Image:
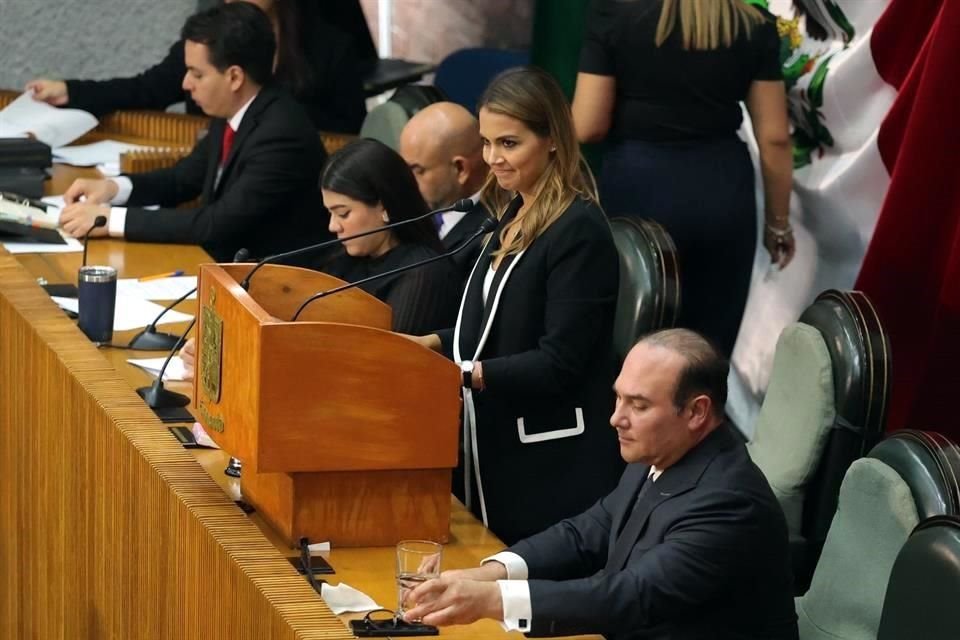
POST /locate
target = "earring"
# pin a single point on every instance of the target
(553, 149)
(386, 218)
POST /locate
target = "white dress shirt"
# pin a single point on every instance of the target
(118, 215)
(515, 590)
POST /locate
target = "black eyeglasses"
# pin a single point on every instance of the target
(385, 623)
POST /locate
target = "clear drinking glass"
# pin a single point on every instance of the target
(417, 561)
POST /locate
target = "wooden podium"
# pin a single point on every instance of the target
(347, 431)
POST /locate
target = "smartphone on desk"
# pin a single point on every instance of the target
(318, 564)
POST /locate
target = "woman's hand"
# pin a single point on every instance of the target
(189, 356)
(431, 341)
(780, 244)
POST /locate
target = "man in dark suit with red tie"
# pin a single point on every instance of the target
(690, 545)
(255, 172)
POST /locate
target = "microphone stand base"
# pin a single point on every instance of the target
(153, 340)
(157, 397)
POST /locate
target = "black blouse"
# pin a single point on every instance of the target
(423, 299)
(667, 93)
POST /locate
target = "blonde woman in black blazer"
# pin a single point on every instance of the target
(533, 330)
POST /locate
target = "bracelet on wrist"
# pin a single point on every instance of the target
(779, 233)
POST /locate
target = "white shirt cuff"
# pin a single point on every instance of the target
(516, 566)
(117, 221)
(124, 189)
(517, 614)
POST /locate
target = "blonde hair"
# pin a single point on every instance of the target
(533, 97)
(707, 24)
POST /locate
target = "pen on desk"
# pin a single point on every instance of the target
(169, 274)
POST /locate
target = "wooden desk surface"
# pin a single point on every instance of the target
(368, 569)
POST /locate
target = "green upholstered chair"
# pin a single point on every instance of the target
(825, 407)
(385, 121)
(908, 477)
(924, 585)
(649, 296)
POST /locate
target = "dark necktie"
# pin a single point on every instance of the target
(630, 531)
(227, 144)
(438, 222)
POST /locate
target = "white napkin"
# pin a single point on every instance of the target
(343, 598)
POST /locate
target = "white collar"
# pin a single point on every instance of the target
(237, 118)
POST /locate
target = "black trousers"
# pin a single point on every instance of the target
(703, 194)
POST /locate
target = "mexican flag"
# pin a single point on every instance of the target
(874, 93)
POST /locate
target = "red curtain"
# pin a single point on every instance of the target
(912, 267)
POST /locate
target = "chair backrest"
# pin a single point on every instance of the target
(875, 514)
(924, 585)
(930, 463)
(464, 74)
(794, 422)
(649, 295)
(910, 476)
(840, 414)
(860, 357)
(385, 121)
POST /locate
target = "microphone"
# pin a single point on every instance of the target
(488, 225)
(99, 221)
(152, 340)
(156, 396)
(464, 204)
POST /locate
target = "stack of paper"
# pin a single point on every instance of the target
(158, 289)
(50, 125)
(175, 370)
(105, 153)
(130, 313)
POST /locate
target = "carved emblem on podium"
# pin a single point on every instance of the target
(211, 355)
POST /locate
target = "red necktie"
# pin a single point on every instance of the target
(227, 144)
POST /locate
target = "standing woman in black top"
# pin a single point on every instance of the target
(316, 62)
(365, 186)
(533, 332)
(662, 81)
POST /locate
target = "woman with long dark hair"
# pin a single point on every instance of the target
(533, 334)
(316, 62)
(367, 185)
(662, 81)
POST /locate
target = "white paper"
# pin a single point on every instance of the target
(48, 124)
(158, 289)
(175, 370)
(343, 598)
(130, 313)
(201, 436)
(109, 169)
(73, 246)
(105, 152)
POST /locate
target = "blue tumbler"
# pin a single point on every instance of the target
(97, 288)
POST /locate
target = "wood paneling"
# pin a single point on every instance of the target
(109, 528)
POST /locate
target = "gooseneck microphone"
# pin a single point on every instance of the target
(489, 224)
(152, 340)
(156, 396)
(99, 221)
(464, 204)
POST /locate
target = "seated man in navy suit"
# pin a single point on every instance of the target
(691, 543)
(441, 143)
(255, 172)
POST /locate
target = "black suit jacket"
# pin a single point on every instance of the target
(545, 448)
(466, 227)
(712, 561)
(334, 98)
(267, 198)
